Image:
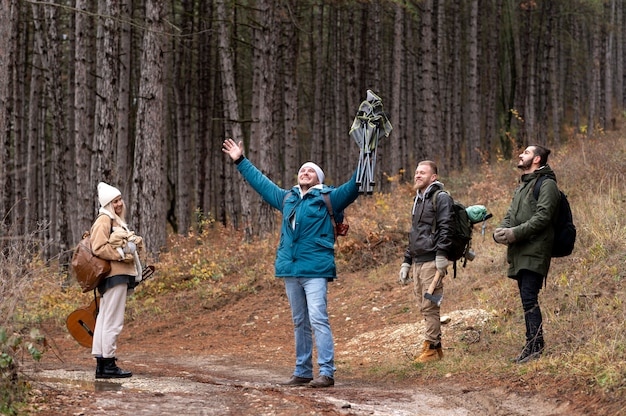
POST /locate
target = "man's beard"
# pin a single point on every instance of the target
(524, 165)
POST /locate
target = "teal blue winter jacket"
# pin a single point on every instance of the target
(307, 238)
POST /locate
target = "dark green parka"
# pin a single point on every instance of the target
(531, 221)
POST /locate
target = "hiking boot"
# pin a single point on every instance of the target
(430, 352)
(322, 381)
(106, 368)
(297, 381)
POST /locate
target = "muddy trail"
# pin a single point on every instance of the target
(209, 385)
(229, 358)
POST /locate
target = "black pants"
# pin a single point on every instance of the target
(529, 284)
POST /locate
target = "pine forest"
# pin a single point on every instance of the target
(142, 93)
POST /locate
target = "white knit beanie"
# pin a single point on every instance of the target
(107, 193)
(317, 169)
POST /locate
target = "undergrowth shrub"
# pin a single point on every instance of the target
(18, 266)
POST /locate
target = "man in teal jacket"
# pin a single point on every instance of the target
(305, 257)
(527, 232)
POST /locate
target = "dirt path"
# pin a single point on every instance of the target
(228, 359)
(210, 385)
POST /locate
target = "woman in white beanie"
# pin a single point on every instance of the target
(124, 275)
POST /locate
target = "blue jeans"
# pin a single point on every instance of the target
(307, 298)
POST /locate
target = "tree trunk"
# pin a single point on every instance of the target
(231, 123)
(290, 98)
(620, 56)
(315, 139)
(7, 50)
(473, 125)
(46, 32)
(83, 121)
(493, 33)
(594, 81)
(105, 129)
(396, 141)
(552, 87)
(261, 132)
(125, 142)
(456, 98)
(428, 110)
(209, 194)
(609, 64)
(185, 157)
(148, 187)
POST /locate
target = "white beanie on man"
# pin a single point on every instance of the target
(107, 193)
(317, 169)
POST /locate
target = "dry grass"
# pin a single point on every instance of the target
(583, 301)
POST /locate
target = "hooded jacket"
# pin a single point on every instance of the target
(531, 220)
(424, 245)
(307, 239)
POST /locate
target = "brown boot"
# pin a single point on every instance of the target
(430, 352)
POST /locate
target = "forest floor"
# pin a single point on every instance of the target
(230, 358)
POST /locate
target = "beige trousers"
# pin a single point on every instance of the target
(423, 275)
(109, 322)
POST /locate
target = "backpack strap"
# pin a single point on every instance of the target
(285, 198)
(434, 228)
(434, 199)
(329, 207)
(537, 187)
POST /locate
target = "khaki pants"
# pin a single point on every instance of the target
(423, 275)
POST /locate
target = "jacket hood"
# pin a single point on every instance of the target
(545, 170)
(431, 188)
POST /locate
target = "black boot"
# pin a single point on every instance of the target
(532, 350)
(106, 368)
(99, 367)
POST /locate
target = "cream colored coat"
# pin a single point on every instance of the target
(101, 247)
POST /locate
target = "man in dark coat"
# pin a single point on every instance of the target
(427, 252)
(527, 232)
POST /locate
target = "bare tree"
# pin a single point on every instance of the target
(48, 45)
(594, 80)
(83, 119)
(125, 142)
(231, 116)
(148, 187)
(609, 64)
(473, 123)
(185, 160)
(431, 146)
(6, 67)
(262, 130)
(289, 91)
(397, 142)
(105, 131)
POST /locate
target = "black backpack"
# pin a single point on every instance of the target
(462, 229)
(563, 223)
